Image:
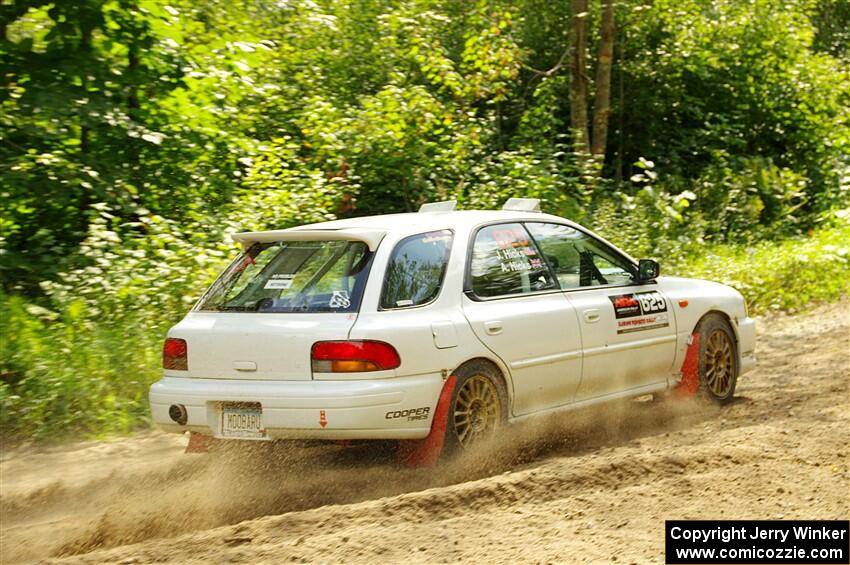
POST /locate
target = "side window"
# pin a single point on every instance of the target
(578, 259)
(416, 270)
(505, 261)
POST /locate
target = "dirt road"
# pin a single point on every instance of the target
(585, 487)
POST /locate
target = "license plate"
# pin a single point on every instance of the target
(240, 420)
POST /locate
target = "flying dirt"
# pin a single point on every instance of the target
(581, 487)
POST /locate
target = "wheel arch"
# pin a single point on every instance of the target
(725, 317)
(717, 317)
(500, 370)
(732, 323)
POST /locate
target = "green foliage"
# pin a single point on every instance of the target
(68, 373)
(831, 19)
(736, 80)
(789, 275)
(151, 268)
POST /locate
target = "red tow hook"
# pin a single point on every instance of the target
(687, 387)
(426, 452)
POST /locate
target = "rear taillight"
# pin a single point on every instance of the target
(174, 354)
(353, 356)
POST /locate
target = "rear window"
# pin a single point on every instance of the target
(302, 276)
(416, 270)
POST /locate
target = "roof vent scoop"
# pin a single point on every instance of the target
(446, 206)
(522, 205)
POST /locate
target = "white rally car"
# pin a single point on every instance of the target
(437, 327)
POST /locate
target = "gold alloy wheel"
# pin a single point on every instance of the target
(719, 363)
(477, 409)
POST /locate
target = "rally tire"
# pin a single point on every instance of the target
(719, 363)
(478, 407)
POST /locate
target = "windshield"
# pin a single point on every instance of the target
(302, 276)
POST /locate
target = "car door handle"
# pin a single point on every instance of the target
(591, 316)
(244, 365)
(493, 328)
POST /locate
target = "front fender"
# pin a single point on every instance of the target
(692, 299)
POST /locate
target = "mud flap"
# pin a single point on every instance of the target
(687, 387)
(426, 452)
(199, 443)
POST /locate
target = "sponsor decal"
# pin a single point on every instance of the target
(625, 306)
(510, 237)
(640, 311)
(641, 324)
(279, 282)
(340, 299)
(411, 414)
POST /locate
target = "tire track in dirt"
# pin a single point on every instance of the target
(126, 508)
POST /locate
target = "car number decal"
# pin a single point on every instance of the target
(640, 311)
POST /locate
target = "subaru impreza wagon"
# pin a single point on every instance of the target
(436, 328)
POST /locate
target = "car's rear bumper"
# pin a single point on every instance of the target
(362, 409)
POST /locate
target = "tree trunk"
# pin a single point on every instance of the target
(578, 79)
(621, 106)
(602, 105)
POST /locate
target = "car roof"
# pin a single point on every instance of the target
(372, 229)
(418, 221)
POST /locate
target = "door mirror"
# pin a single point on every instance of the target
(648, 270)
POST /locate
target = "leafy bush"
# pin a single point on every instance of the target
(68, 374)
(788, 275)
(82, 361)
(150, 268)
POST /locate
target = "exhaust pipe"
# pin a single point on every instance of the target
(177, 412)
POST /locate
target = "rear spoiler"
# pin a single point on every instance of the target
(370, 237)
